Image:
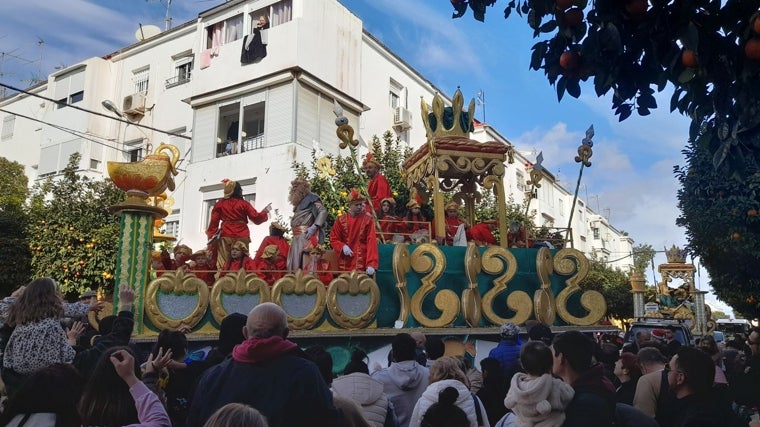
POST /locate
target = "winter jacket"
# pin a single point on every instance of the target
(465, 401)
(538, 401)
(594, 400)
(507, 352)
(368, 393)
(270, 375)
(403, 383)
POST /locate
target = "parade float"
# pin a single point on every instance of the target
(462, 293)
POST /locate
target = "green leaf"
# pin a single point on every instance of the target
(625, 111)
(646, 101)
(548, 27)
(721, 153)
(561, 84)
(574, 87)
(686, 76)
(537, 57)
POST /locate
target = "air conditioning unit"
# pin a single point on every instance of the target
(134, 104)
(402, 118)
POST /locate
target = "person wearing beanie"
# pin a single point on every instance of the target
(507, 352)
(230, 335)
(229, 221)
(536, 397)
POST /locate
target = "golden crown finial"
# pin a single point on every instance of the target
(448, 121)
(676, 255)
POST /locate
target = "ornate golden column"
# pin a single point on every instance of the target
(150, 176)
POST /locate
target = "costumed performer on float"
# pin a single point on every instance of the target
(233, 213)
(416, 225)
(390, 224)
(378, 188)
(309, 218)
(455, 226)
(482, 233)
(275, 237)
(319, 266)
(239, 259)
(270, 266)
(353, 237)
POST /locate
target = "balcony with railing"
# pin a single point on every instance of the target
(177, 80)
(229, 147)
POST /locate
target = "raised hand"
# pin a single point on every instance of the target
(124, 364)
(72, 333)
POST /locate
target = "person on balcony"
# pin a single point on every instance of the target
(353, 237)
(229, 221)
(309, 217)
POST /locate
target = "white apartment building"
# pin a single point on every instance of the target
(249, 122)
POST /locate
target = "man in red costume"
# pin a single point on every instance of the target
(482, 233)
(233, 213)
(353, 237)
(378, 187)
(275, 237)
(453, 223)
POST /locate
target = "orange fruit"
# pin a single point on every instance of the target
(752, 49)
(569, 61)
(689, 58)
(752, 212)
(736, 236)
(756, 25)
(574, 17)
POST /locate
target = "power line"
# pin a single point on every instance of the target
(65, 129)
(118, 119)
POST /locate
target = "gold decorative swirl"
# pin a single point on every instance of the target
(401, 266)
(543, 299)
(237, 283)
(592, 301)
(299, 283)
(346, 135)
(494, 261)
(178, 283)
(353, 283)
(445, 300)
(471, 309)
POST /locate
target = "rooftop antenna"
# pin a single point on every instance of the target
(41, 44)
(167, 16)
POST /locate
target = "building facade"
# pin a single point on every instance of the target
(249, 122)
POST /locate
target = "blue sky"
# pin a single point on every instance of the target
(631, 179)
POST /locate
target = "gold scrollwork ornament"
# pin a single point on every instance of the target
(178, 283)
(471, 309)
(353, 283)
(593, 301)
(401, 266)
(237, 283)
(299, 283)
(428, 258)
(498, 260)
(543, 299)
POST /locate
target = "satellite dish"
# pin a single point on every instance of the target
(146, 31)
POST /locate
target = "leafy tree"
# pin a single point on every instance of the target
(717, 314)
(614, 285)
(708, 51)
(643, 254)
(14, 250)
(333, 185)
(71, 232)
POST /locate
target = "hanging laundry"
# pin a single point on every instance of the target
(254, 45)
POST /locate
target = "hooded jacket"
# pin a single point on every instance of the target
(403, 383)
(539, 401)
(465, 402)
(365, 391)
(270, 375)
